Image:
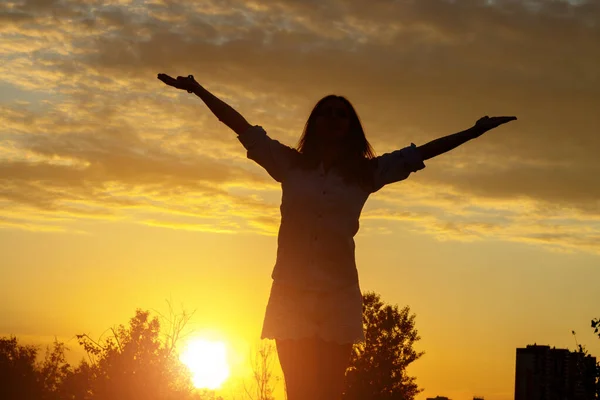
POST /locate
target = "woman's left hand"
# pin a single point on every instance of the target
(487, 123)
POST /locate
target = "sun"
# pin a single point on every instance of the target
(207, 361)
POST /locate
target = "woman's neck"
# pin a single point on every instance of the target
(328, 155)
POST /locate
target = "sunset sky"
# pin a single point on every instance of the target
(118, 192)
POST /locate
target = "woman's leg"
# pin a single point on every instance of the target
(333, 360)
(299, 360)
(313, 369)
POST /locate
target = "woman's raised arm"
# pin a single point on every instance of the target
(447, 143)
(223, 111)
(274, 157)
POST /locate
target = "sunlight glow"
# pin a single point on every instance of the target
(207, 360)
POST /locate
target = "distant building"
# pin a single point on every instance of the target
(544, 373)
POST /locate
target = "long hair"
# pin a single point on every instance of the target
(356, 154)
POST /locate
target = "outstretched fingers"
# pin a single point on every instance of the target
(167, 80)
(504, 120)
(486, 123)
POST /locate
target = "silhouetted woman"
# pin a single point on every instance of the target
(314, 311)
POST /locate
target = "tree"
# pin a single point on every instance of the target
(378, 366)
(261, 360)
(23, 377)
(133, 363)
(77, 384)
(54, 371)
(19, 376)
(589, 373)
(596, 327)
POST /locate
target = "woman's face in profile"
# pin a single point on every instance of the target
(332, 120)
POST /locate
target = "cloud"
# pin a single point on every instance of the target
(27, 225)
(446, 214)
(194, 226)
(91, 117)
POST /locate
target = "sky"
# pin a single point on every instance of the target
(118, 192)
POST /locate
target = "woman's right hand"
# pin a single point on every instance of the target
(183, 83)
(222, 111)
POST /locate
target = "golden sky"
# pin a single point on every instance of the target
(118, 192)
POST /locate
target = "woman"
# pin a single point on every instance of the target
(314, 311)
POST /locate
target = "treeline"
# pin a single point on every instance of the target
(140, 362)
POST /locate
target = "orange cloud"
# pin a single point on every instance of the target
(90, 132)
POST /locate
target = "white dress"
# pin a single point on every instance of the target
(316, 289)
